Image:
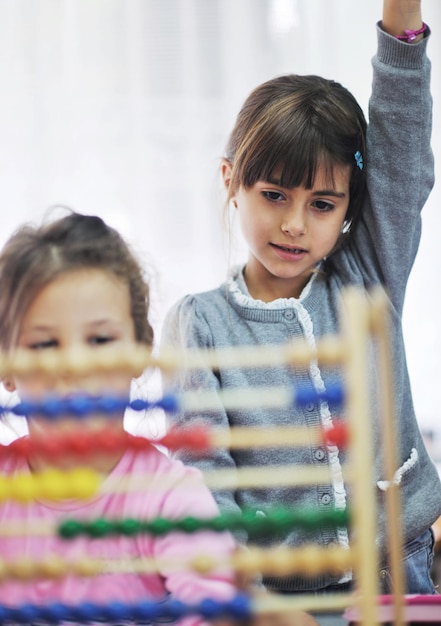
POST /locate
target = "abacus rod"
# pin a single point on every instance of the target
(238, 478)
(250, 437)
(357, 333)
(84, 483)
(273, 603)
(271, 561)
(329, 350)
(394, 529)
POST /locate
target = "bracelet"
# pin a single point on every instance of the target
(411, 35)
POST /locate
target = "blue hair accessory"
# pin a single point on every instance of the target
(358, 159)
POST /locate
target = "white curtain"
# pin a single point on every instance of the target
(122, 108)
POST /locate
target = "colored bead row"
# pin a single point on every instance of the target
(238, 607)
(279, 561)
(111, 440)
(108, 440)
(82, 406)
(274, 521)
(51, 484)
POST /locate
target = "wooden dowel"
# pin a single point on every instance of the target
(380, 322)
(356, 325)
(249, 437)
(234, 479)
(138, 358)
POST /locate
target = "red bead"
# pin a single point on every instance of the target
(336, 435)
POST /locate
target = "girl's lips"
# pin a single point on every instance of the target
(289, 253)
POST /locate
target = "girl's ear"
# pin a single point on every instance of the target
(226, 176)
(9, 384)
(226, 173)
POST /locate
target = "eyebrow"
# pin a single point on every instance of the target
(329, 192)
(92, 324)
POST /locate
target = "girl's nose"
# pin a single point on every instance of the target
(294, 223)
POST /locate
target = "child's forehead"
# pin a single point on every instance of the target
(89, 284)
(322, 174)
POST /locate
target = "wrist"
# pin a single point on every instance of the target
(411, 35)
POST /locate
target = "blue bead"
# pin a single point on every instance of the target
(240, 606)
(139, 405)
(53, 613)
(304, 396)
(210, 608)
(336, 394)
(51, 407)
(27, 613)
(144, 611)
(174, 609)
(4, 614)
(169, 403)
(111, 404)
(22, 408)
(116, 612)
(80, 406)
(90, 612)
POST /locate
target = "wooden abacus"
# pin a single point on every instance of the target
(364, 318)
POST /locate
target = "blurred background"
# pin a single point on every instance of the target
(122, 108)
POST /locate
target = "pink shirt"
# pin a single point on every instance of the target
(154, 500)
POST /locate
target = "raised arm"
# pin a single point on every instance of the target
(400, 170)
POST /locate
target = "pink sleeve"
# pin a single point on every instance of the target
(187, 585)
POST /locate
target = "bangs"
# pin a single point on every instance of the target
(305, 149)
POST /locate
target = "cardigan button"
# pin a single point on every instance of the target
(319, 454)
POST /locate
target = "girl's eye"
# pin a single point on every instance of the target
(273, 196)
(99, 340)
(322, 206)
(44, 345)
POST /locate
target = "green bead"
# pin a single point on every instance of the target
(128, 527)
(99, 528)
(221, 522)
(159, 526)
(190, 524)
(69, 529)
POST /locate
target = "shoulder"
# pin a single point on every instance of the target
(204, 300)
(216, 299)
(197, 316)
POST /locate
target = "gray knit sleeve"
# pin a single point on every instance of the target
(400, 168)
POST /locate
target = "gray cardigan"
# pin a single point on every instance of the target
(381, 251)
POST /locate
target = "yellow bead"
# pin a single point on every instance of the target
(83, 483)
(87, 568)
(202, 564)
(248, 562)
(22, 569)
(4, 489)
(53, 567)
(24, 488)
(52, 484)
(313, 560)
(281, 562)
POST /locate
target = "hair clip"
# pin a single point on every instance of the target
(358, 159)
